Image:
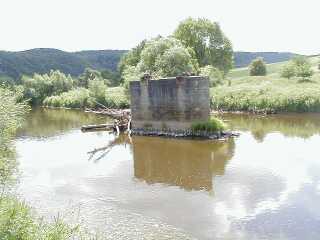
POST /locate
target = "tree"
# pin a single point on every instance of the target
(60, 82)
(304, 72)
(166, 57)
(132, 58)
(39, 86)
(215, 75)
(209, 43)
(300, 61)
(97, 90)
(130, 73)
(288, 71)
(258, 67)
(113, 77)
(87, 75)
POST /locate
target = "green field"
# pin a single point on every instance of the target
(269, 93)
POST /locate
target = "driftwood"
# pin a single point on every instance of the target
(118, 114)
(122, 120)
(101, 127)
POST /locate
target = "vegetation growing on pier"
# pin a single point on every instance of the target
(212, 125)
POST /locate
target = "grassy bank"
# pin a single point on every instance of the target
(17, 220)
(270, 93)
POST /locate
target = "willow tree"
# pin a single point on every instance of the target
(207, 40)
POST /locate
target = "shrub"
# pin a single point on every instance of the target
(130, 73)
(304, 72)
(116, 98)
(77, 98)
(38, 87)
(298, 67)
(90, 75)
(288, 71)
(215, 75)
(81, 98)
(212, 125)
(97, 89)
(258, 67)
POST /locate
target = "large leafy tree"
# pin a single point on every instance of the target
(166, 57)
(209, 43)
(161, 57)
(132, 58)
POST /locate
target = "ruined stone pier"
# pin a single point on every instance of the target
(169, 104)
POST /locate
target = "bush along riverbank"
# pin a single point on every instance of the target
(82, 98)
(17, 219)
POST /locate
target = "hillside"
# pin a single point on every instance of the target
(243, 59)
(42, 60)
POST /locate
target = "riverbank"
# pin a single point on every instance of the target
(17, 219)
(268, 94)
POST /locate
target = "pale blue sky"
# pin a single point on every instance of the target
(72, 25)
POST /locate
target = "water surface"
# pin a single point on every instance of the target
(264, 184)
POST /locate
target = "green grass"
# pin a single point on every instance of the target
(269, 93)
(212, 125)
(272, 69)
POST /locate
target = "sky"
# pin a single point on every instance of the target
(74, 25)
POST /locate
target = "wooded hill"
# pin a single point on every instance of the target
(42, 60)
(243, 59)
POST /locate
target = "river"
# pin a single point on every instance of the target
(264, 184)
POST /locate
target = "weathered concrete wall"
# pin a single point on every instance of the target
(171, 103)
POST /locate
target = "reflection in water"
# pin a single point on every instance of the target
(292, 125)
(99, 153)
(42, 122)
(266, 182)
(185, 163)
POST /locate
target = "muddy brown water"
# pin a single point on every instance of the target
(264, 184)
